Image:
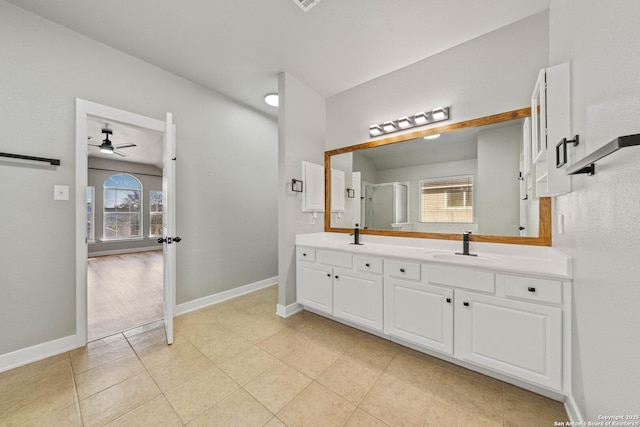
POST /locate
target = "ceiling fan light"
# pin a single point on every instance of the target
(106, 150)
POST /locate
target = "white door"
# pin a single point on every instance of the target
(420, 313)
(169, 226)
(521, 339)
(357, 297)
(314, 286)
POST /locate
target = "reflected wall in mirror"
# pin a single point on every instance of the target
(468, 179)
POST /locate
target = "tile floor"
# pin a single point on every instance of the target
(238, 364)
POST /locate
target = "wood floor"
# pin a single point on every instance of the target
(123, 292)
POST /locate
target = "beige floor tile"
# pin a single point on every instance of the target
(145, 329)
(362, 419)
(141, 339)
(179, 370)
(202, 331)
(397, 403)
(528, 413)
(283, 343)
(246, 302)
(99, 352)
(349, 378)
(442, 414)
(21, 382)
(491, 382)
(276, 387)
(337, 339)
(225, 346)
(311, 359)
(275, 422)
(373, 351)
(471, 396)
(156, 412)
(258, 329)
(315, 406)
(269, 294)
(104, 376)
(201, 392)
(264, 310)
(239, 409)
(67, 416)
(161, 352)
(248, 364)
(419, 373)
(115, 401)
(525, 395)
(43, 392)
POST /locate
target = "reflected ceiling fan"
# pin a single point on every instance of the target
(108, 148)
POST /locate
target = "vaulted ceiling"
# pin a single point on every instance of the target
(238, 47)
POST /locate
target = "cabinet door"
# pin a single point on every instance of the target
(521, 339)
(358, 298)
(420, 313)
(314, 286)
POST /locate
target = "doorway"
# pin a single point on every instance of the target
(123, 229)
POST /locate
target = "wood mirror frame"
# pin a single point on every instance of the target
(544, 227)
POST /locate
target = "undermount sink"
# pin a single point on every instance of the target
(467, 259)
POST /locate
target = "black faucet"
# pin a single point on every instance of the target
(356, 236)
(465, 245)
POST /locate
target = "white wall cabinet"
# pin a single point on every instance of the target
(550, 122)
(508, 324)
(419, 313)
(514, 337)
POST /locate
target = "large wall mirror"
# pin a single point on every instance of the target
(467, 179)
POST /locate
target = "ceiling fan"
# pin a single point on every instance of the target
(108, 148)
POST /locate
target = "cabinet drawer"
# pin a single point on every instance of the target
(368, 264)
(306, 254)
(528, 288)
(482, 281)
(402, 269)
(338, 259)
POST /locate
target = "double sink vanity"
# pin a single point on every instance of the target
(504, 312)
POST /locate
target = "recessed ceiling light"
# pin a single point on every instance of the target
(437, 135)
(388, 126)
(439, 113)
(404, 122)
(271, 99)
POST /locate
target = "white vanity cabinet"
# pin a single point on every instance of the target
(340, 284)
(419, 313)
(517, 338)
(512, 324)
(314, 281)
(357, 297)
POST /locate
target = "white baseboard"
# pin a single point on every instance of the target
(125, 251)
(37, 352)
(223, 296)
(573, 411)
(285, 311)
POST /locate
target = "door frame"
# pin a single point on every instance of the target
(84, 110)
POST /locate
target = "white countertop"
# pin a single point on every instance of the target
(538, 260)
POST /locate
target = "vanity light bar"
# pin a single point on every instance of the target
(407, 122)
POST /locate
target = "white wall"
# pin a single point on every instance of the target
(226, 174)
(602, 214)
(301, 134)
(491, 74)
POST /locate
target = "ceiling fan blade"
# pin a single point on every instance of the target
(128, 145)
(95, 145)
(119, 153)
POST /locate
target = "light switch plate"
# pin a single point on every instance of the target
(60, 192)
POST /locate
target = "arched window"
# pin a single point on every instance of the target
(122, 207)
